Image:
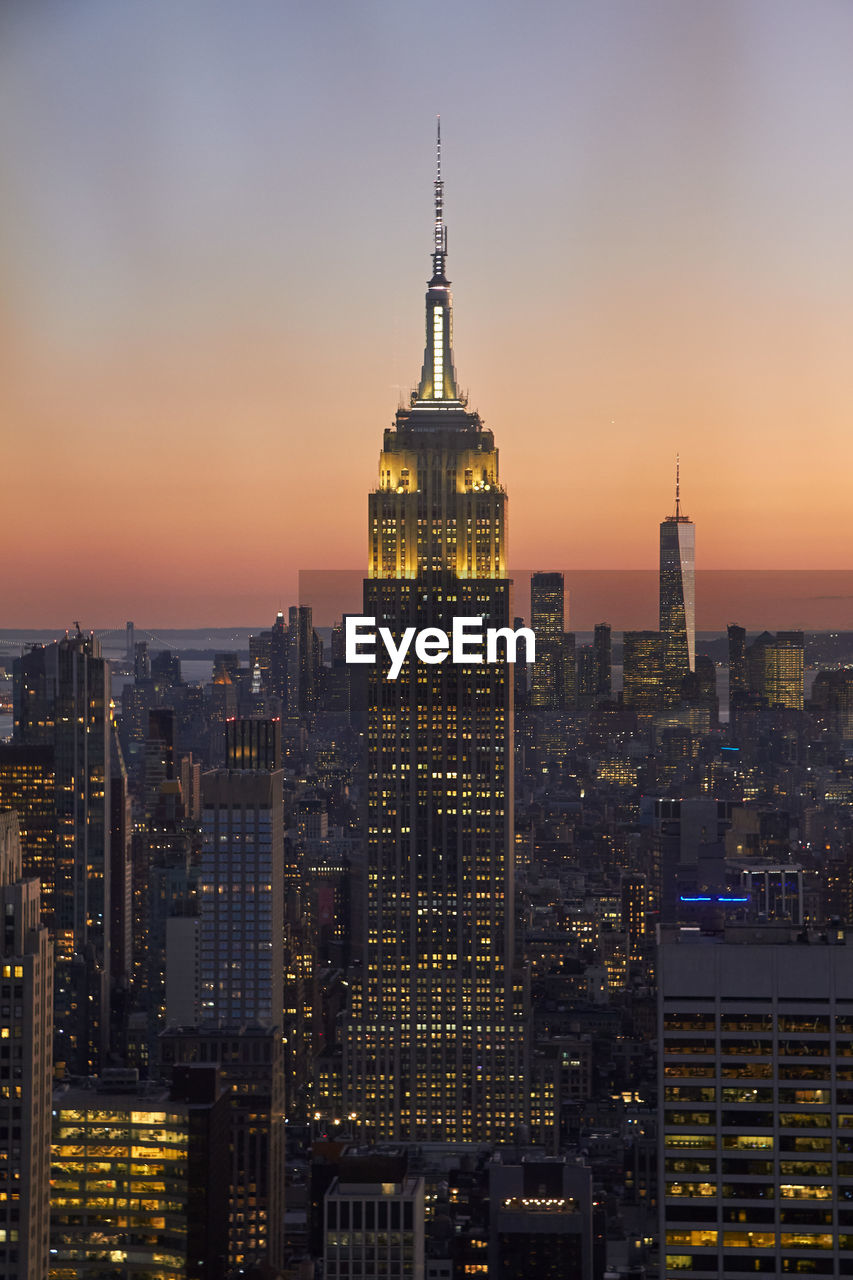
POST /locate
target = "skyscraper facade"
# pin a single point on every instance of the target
(28, 785)
(374, 1228)
(304, 660)
(642, 661)
(677, 597)
(603, 659)
(242, 897)
(138, 1186)
(26, 1027)
(121, 867)
(433, 1045)
(832, 699)
(241, 979)
(547, 618)
(756, 1083)
(250, 1060)
(62, 700)
(541, 1219)
(775, 669)
(738, 682)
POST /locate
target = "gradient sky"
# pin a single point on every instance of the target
(214, 244)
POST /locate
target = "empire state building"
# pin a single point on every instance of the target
(434, 1037)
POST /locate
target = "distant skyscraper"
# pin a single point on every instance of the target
(547, 618)
(832, 697)
(165, 669)
(278, 657)
(159, 758)
(677, 596)
(288, 659)
(738, 682)
(62, 700)
(603, 659)
(304, 660)
(26, 996)
(165, 876)
(775, 669)
(434, 1041)
(242, 897)
(121, 867)
(642, 662)
(241, 943)
(586, 675)
(141, 660)
(260, 657)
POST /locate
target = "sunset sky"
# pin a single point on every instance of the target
(215, 238)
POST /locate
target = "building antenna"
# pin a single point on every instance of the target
(439, 250)
(678, 486)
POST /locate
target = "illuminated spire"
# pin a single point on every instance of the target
(439, 251)
(438, 376)
(677, 486)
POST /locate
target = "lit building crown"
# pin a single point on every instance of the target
(438, 376)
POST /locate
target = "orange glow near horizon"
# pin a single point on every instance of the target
(176, 494)
(202, 348)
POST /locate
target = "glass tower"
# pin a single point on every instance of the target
(677, 596)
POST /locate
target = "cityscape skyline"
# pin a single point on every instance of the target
(671, 288)
(387, 952)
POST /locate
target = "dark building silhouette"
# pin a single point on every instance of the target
(547, 619)
(253, 744)
(249, 1059)
(586, 675)
(603, 659)
(677, 597)
(541, 1220)
(738, 680)
(26, 1022)
(832, 699)
(121, 867)
(62, 701)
